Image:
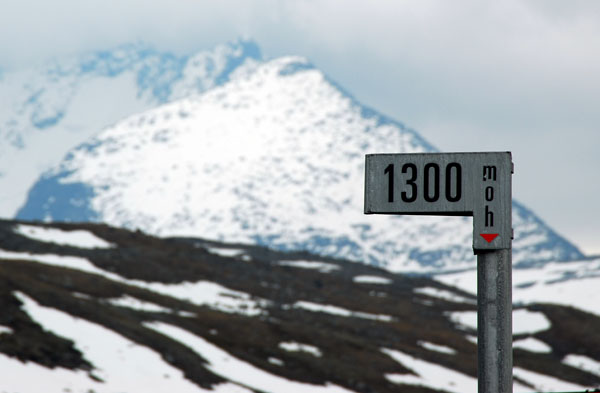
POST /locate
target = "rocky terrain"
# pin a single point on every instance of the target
(90, 307)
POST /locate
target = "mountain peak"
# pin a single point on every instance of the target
(273, 156)
(290, 65)
(70, 99)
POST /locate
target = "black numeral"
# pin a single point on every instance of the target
(427, 182)
(389, 170)
(457, 182)
(431, 182)
(410, 182)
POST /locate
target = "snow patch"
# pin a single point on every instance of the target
(236, 370)
(445, 295)
(60, 260)
(372, 280)
(583, 363)
(464, 318)
(545, 383)
(226, 252)
(525, 321)
(76, 238)
(323, 267)
(532, 344)
(472, 339)
(436, 347)
(5, 330)
(292, 346)
(429, 374)
(275, 361)
(335, 310)
(213, 295)
(142, 305)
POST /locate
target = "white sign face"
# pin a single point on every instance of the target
(454, 184)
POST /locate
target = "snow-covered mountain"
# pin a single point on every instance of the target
(88, 307)
(47, 110)
(273, 156)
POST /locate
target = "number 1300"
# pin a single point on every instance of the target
(430, 182)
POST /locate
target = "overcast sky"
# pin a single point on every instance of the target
(467, 75)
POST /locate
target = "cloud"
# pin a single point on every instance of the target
(469, 75)
(32, 30)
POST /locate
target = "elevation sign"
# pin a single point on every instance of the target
(453, 184)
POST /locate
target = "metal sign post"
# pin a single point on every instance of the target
(461, 184)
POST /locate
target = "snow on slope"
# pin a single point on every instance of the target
(200, 293)
(77, 238)
(244, 373)
(124, 365)
(121, 365)
(46, 111)
(570, 284)
(273, 157)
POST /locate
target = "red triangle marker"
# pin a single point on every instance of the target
(489, 236)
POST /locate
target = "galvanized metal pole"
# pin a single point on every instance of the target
(494, 321)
